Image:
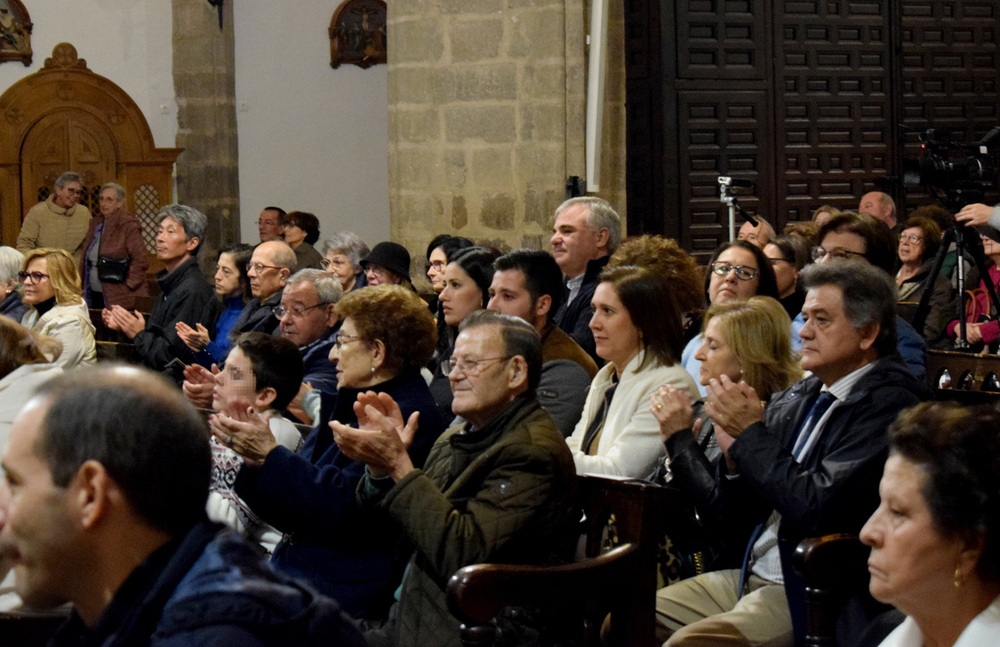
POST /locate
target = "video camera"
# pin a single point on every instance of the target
(963, 180)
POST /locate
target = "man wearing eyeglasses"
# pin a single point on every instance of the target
(269, 224)
(59, 221)
(268, 270)
(497, 488)
(807, 465)
(306, 316)
(866, 238)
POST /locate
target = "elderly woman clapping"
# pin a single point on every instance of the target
(935, 537)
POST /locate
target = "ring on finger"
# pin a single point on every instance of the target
(229, 440)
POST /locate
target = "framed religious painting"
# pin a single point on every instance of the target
(15, 32)
(357, 33)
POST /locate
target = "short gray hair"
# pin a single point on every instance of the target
(327, 285)
(119, 189)
(869, 296)
(11, 262)
(194, 222)
(519, 338)
(67, 177)
(600, 215)
(350, 245)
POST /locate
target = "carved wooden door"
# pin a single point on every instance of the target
(69, 140)
(813, 100)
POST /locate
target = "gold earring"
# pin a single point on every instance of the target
(959, 578)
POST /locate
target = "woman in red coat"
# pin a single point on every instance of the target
(115, 260)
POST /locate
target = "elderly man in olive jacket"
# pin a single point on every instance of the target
(498, 488)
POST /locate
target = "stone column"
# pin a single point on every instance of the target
(487, 118)
(204, 81)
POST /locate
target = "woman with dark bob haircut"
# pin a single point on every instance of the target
(301, 230)
(636, 329)
(935, 537)
(467, 279)
(386, 336)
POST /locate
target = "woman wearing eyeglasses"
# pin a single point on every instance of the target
(342, 257)
(637, 330)
(738, 270)
(918, 246)
(56, 308)
(982, 331)
(386, 336)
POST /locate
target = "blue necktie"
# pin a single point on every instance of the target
(823, 402)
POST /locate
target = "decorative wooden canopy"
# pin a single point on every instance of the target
(67, 118)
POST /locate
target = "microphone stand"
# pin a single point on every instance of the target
(727, 198)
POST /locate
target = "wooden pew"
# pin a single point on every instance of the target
(620, 582)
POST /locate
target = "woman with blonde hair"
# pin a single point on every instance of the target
(746, 340)
(26, 360)
(56, 308)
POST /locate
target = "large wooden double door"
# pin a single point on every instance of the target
(814, 100)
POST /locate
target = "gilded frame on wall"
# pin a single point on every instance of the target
(358, 33)
(15, 32)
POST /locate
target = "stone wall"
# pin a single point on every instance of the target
(487, 117)
(208, 169)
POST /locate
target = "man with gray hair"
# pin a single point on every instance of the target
(879, 205)
(307, 317)
(58, 221)
(11, 262)
(107, 474)
(183, 291)
(808, 465)
(586, 232)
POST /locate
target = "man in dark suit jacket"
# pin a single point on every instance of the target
(586, 232)
(269, 268)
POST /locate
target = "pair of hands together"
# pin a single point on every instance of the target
(732, 406)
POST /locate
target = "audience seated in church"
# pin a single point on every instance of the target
(498, 488)
(823, 213)
(308, 319)
(919, 241)
(59, 221)
(880, 206)
(528, 284)
(665, 258)
(232, 293)
(637, 330)
(981, 330)
(441, 251)
(55, 304)
(103, 507)
(27, 359)
(342, 254)
(587, 230)
(935, 537)
(262, 373)
(806, 465)
(269, 224)
(851, 235)
(744, 340)
(11, 305)
(301, 231)
(737, 270)
(467, 289)
(114, 259)
(760, 234)
(388, 264)
(269, 267)
(385, 337)
(183, 291)
(787, 256)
